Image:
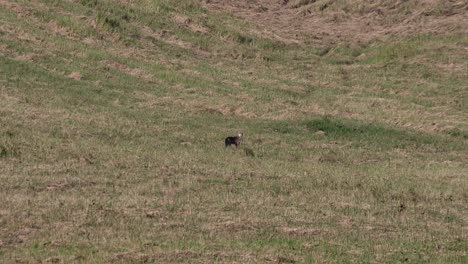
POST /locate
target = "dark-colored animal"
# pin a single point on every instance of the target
(233, 140)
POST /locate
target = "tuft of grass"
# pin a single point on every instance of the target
(249, 152)
(455, 132)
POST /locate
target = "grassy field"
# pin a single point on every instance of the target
(113, 115)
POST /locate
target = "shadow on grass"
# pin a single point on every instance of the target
(378, 135)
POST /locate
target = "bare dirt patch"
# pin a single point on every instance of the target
(125, 69)
(188, 22)
(25, 57)
(62, 31)
(12, 31)
(75, 76)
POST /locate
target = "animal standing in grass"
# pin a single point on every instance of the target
(233, 140)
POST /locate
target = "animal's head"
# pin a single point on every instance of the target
(239, 134)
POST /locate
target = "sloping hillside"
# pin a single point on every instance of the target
(113, 116)
(359, 21)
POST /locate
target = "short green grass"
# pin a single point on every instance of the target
(126, 163)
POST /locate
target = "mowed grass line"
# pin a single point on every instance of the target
(101, 169)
